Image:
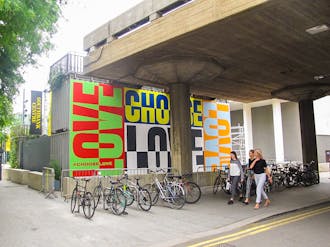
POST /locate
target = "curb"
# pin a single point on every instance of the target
(239, 224)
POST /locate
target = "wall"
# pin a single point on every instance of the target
(291, 131)
(323, 144)
(60, 107)
(263, 130)
(59, 149)
(112, 127)
(25, 177)
(36, 153)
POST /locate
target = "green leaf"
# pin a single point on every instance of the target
(25, 30)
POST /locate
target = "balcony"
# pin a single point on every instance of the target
(70, 63)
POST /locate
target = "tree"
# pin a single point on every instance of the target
(26, 27)
(17, 134)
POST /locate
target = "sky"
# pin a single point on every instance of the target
(80, 17)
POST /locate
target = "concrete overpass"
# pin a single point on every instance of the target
(243, 50)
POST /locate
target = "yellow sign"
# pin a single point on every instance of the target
(142, 106)
(8, 144)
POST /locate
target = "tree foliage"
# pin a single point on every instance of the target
(17, 133)
(26, 27)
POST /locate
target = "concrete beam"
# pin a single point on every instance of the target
(193, 16)
(145, 9)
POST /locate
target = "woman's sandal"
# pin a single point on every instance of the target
(257, 206)
(267, 203)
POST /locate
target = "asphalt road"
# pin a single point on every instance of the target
(308, 227)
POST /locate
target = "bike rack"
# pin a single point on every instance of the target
(48, 177)
(117, 171)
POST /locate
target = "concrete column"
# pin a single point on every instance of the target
(278, 131)
(307, 128)
(181, 159)
(248, 134)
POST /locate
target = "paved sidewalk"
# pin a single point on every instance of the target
(27, 219)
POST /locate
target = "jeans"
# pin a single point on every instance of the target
(260, 182)
(248, 184)
(234, 185)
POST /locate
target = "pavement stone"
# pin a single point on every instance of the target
(28, 219)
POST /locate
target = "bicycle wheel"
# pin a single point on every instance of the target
(128, 193)
(74, 200)
(97, 193)
(192, 191)
(118, 201)
(289, 181)
(216, 184)
(176, 197)
(88, 205)
(278, 185)
(154, 193)
(144, 200)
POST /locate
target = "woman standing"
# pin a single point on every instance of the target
(249, 177)
(260, 170)
(235, 174)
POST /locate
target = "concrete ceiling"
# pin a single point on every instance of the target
(258, 54)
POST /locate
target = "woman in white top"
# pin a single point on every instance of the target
(235, 174)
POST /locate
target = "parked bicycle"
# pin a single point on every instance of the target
(172, 193)
(134, 192)
(114, 198)
(305, 175)
(220, 181)
(192, 190)
(82, 198)
(98, 191)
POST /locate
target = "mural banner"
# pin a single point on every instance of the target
(217, 134)
(96, 128)
(113, 128)
(36, 113)
(147, 125)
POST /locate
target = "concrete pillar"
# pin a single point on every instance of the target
(248, 134)
(181, 159)
(307, 128)
(278, 131)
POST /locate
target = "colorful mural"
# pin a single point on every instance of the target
(96, 127)
(147, 125)
(217, 136)
(113, 127)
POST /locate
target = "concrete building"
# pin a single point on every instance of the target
(274, 126)
(227, 49)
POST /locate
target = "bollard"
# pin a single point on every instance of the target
(48, 180)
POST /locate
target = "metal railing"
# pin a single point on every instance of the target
(70, 63)
(112, 173)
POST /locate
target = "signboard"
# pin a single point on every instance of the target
(147, 125)
(217, 134)
(36, 113)
(96, 128)
(112, 127)
(8, 144)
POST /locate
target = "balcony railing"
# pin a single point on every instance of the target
(70, 63)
